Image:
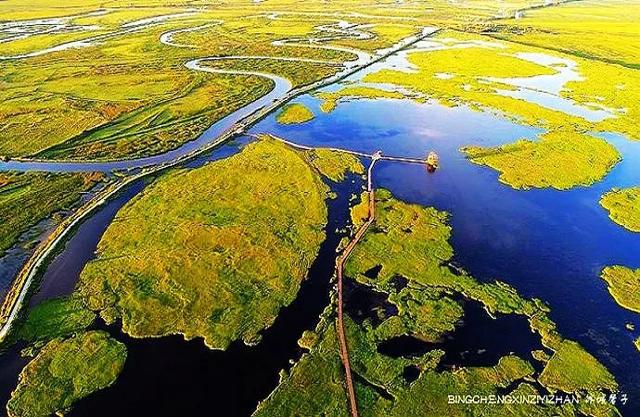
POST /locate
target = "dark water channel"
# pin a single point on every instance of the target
(479, 340)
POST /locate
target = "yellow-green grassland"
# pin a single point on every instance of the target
(263, 211)
(623, 206)
(624, 285)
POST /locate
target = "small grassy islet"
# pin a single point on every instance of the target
(65, 371)
(295, 113)
(623, 206)
(624, 285)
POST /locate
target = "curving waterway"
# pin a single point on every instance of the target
(234, 122)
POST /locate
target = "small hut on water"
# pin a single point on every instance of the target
(432, 161)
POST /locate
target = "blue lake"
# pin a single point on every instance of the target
(546, 243)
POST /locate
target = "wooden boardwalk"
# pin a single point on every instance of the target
(342, 258)
(342, 339)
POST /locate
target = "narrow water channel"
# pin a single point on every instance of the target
(476, 340)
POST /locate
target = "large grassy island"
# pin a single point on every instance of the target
(217, 259)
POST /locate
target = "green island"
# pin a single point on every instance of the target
(65, 371)
(623, 206)
(427, 308)
(559, 159)
(624, 284)
(68, 361)
(264, 212)
(28, 198)
(330, 100)
(294, 114)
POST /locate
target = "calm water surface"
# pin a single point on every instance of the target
(546, 243)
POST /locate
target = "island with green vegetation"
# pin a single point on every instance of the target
(428, 307)
(294, 114)
(330, 100)
(59, 317)
(65, 371)
(624, 285)
(263, 210)
(623, 206)
(559, 159)
(69, 361)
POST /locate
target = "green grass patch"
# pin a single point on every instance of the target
(624, 285)
(54, 318)
(359, 212)
(623, 206)
(560, 159)
(315, 385)
(66, 371)
(295, 113)
(335, 165)
(212, 252)
(330, 100)
(28, 198)
(412, 241)
(572, 369)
